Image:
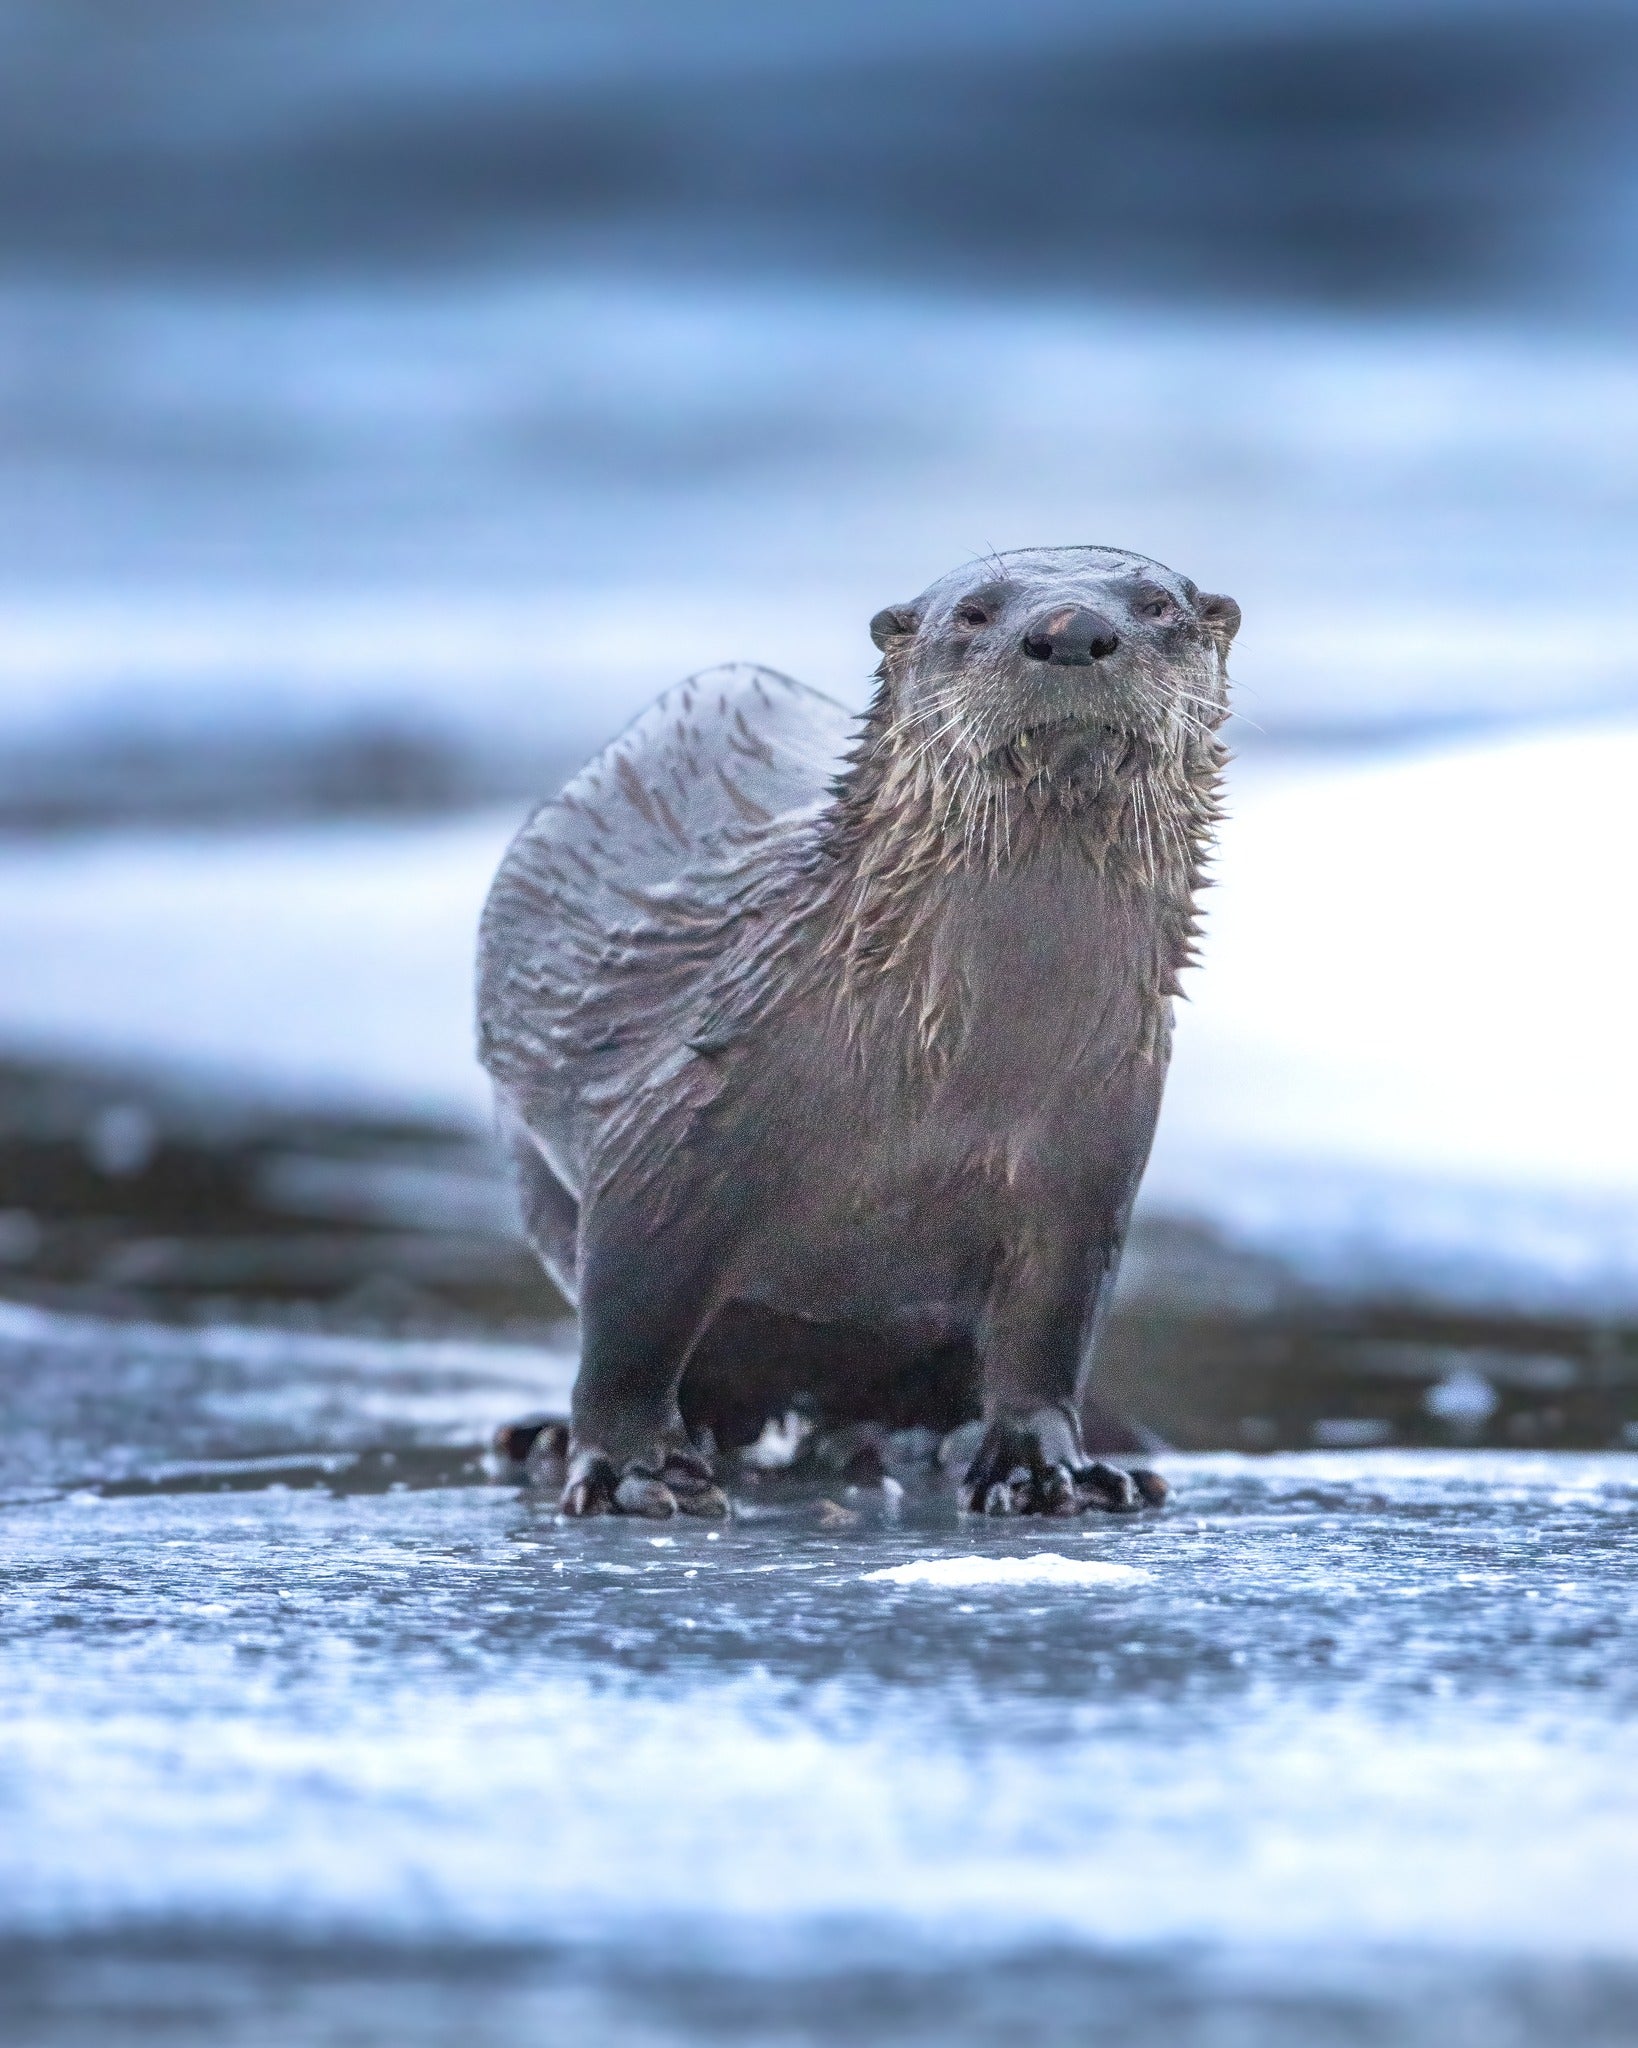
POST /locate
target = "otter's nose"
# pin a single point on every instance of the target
(1073, 637)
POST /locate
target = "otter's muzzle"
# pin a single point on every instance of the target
(1073, 638)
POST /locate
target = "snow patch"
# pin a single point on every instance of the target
(1045, 1568)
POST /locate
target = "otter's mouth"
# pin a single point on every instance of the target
(1050, 744)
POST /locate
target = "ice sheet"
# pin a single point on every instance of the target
(1351, 1711)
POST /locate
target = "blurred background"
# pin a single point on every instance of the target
(394, 398)
(395, 395)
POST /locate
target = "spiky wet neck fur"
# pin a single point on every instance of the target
(1135, 809)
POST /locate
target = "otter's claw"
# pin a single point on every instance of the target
(682, 1486)
(592, 1486)
(1023, 1466)
(1034, 1465)
(1119, 1493)
(1050, 1491)
(1107, 1487)
(638, 1495)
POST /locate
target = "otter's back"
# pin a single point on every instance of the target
(662, 818)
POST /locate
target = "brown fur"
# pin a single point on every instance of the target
(873, 1046)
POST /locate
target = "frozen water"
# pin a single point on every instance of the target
(1340, 1747)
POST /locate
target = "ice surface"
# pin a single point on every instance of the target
(1354, 1735)
(87, 1401)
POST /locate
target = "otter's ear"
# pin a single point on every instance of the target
(1219, 615)
(892, 622)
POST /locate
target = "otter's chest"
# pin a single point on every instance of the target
(1004, 1084)
(1012, 1002)
(904, 1222)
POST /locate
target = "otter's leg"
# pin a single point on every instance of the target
(644, 1298)
(1035, 1336)
(551, 1215)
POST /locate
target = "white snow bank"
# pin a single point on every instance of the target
(1426, 964)
(333, 963)
(1046, 1568)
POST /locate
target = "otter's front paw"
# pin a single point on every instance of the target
(682, 1485)
(1035, 1465)
(1025, 1465)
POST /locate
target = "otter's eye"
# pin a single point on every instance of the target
(1154, 604)
(971, 615)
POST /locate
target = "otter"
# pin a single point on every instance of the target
(829, 1051)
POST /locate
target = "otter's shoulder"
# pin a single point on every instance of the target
(726, 752)
(715, 758)
(663, 820)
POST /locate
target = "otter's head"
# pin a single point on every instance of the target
(1036, 662)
